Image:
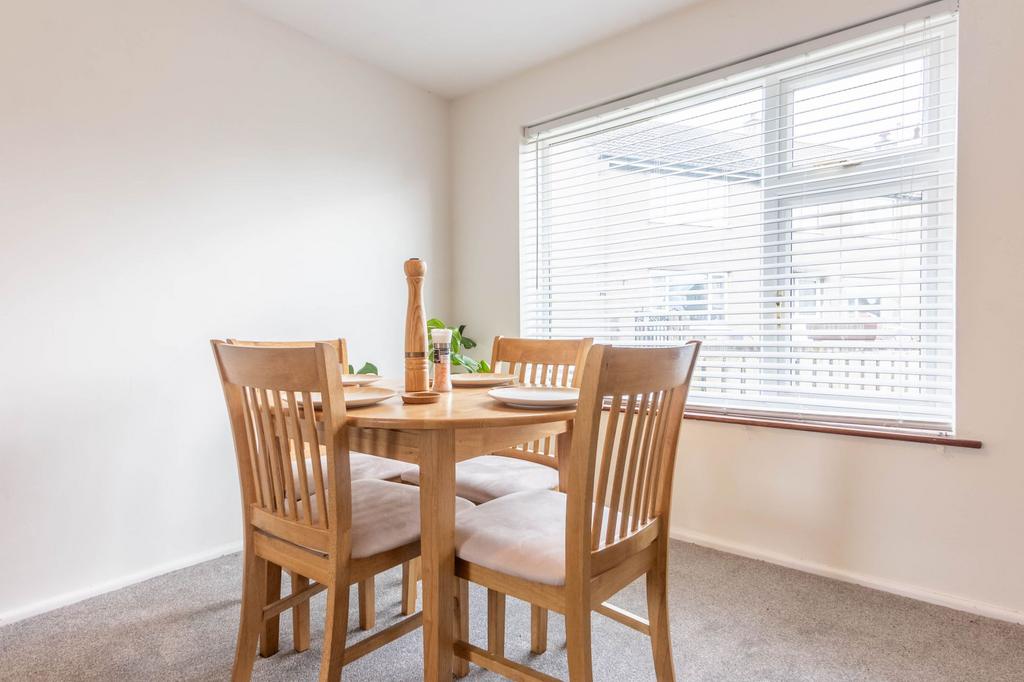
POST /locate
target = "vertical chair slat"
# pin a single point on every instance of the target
(300, 454)
(312, 437)
(267, 433)
(639, 431)
(537, 379)
(600, 489)
(262, 458)
(657, 456)
(642, 471)
(285, 454)
(621, 455)
(254, 454)
(649, 485)
(638, 513)
(658, 463)
(274, 449)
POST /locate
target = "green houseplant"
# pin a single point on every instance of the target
(367, 368)
(460, 342)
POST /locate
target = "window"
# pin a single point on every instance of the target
(796, 214)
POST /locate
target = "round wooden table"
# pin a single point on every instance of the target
(465, 423)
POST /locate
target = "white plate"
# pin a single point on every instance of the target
(358, 396)
(481, 380)
(361, 396)
(359, 379)
(536, 397)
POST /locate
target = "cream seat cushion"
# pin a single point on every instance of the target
(521, 535)
(385, 515)
(486, 478)
(371, 466)
(362, 467)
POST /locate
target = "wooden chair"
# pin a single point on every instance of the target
(362, 467)
(529, 466)
(570, 551)
(341, 533)
(539, 362)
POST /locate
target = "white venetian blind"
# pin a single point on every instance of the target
(796, 213)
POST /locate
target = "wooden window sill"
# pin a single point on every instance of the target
(836, 430)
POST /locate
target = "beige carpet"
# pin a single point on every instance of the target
(732, 619)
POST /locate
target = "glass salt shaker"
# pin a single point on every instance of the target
(442, 354)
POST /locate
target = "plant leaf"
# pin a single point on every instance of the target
(484, 367)
(434, 323)
(468, 343)
(368, 368)
(466, 361)
(351, 370)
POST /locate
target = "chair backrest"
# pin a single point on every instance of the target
(620, 477)
(339, 345)
(284, 403)
(547, 362)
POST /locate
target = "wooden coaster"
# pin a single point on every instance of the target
(420, 397)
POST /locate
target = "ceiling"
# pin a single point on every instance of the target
(452, 47)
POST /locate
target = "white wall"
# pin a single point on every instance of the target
(173, 171)
(943, 524)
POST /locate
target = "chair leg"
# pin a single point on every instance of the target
(538, 629)
(496, 623)
(577, 643)
(657, 614)
(410, 577)
(460, 665)
(269, 642)
(367, 603)
(250, 622)
(300, 614)
(335, 630)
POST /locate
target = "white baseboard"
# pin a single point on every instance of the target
(68, 598)
(914, 592)
(905, 590)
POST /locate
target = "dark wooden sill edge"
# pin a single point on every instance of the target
(836, 430)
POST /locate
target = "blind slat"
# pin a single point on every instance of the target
(742, 141)
(528, 228)
(897, 181)
(620, 274)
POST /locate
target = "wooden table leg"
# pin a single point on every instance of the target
(300, 614)
(437, 528)
(461, 665)
(269, 640)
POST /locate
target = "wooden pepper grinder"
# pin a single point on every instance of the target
(416, 376)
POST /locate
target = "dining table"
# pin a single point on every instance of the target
(463, 424)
